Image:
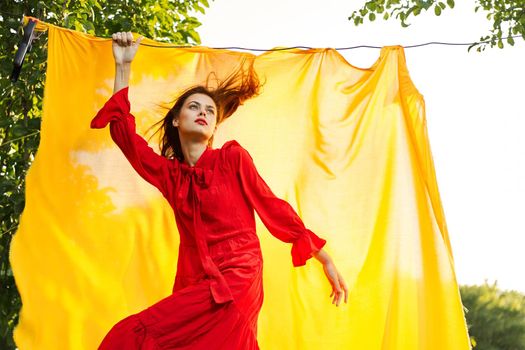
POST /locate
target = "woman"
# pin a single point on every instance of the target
(218, 291)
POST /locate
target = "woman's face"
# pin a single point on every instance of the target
(197, 119)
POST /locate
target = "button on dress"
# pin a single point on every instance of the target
(218, 289)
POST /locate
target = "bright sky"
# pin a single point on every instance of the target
(474, 110)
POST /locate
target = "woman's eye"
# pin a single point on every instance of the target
(211, 111)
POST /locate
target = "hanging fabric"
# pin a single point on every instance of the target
(346, 147)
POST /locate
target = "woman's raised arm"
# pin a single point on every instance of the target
(124, 50)
(151, 166)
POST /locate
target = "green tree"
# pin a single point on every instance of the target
(21, 102)
(495, 318)
(506, 16)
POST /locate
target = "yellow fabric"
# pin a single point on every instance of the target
(347, 147)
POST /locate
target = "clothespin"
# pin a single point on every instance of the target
(23, 47)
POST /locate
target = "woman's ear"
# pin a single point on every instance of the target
(175, 122)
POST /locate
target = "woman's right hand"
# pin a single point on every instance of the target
(124, 48)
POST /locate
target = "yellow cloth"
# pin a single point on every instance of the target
(347, 147)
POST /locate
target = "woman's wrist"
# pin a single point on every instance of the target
(122, 74)
(124, 65)
(322, 256)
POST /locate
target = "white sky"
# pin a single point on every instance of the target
(474, 105)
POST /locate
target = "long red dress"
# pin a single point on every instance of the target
(218, 289)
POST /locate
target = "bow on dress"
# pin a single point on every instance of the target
(200, 178)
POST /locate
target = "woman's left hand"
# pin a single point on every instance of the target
(336, 280)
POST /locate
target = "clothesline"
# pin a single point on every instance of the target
(307, 47)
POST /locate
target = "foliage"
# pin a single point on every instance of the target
(495, 318)
(506, 16)
(21, 102)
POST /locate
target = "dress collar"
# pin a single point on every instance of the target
(199, 172)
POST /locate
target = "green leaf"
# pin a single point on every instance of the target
(34, 123)
(18, 131)
(199, 8)
(90, 28)
(5, 122)
(437, 10)
(450, 3)
(386, 16)
(500, 44)
(372, 16)
(442, 5)
(510, 40)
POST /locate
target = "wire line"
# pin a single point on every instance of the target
(308, 47)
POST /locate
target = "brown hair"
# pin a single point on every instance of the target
(228, 95)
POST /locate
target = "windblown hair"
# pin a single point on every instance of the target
(228, 94)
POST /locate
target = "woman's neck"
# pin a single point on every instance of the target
(192, 152)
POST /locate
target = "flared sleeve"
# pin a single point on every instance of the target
(277, 215)
(151, 166)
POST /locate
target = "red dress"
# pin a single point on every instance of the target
(218, 290)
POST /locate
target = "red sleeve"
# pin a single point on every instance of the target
(277, 215)
(151, 166)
